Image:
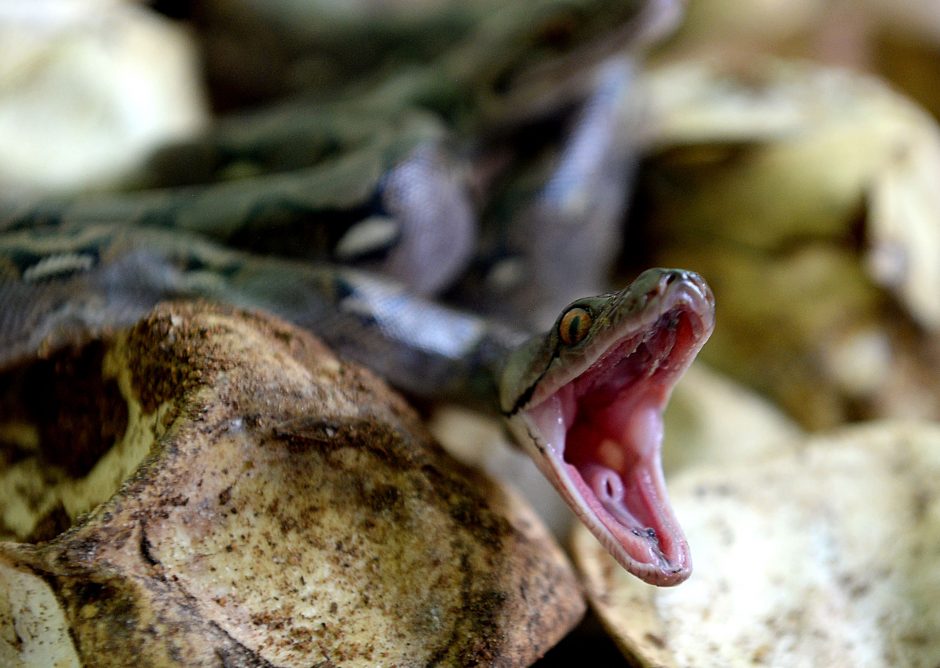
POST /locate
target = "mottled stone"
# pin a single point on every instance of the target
(824, 555)
(269, 504)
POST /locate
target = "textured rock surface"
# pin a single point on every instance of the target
(822, 556)
(263, 504)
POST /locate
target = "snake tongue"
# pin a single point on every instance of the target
(602, 433)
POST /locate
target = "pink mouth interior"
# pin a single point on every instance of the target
(606, 426)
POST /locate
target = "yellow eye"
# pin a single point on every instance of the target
(574, 325)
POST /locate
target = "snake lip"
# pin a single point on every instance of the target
(599, 428)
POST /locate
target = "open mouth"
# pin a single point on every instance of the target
(600, 431)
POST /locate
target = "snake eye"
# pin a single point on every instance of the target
(574, 325)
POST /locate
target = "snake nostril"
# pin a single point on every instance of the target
(668, 279)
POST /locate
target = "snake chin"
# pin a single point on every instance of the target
(600, 435)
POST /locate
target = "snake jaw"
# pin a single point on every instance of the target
(598, 435)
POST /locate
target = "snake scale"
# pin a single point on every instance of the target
(350, 218)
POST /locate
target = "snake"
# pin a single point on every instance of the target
(377, 177)
(584, 397)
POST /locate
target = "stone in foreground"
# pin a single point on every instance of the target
(825, 555)
(233, 494)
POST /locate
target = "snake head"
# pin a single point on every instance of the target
(586, 400)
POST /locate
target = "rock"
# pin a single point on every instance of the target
(805, 194)
(89, 88)
(261, 502)
(822, 556)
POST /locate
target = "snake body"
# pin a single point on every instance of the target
(387, 174)
(61, 286)
(585, 398)
(403, 181)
